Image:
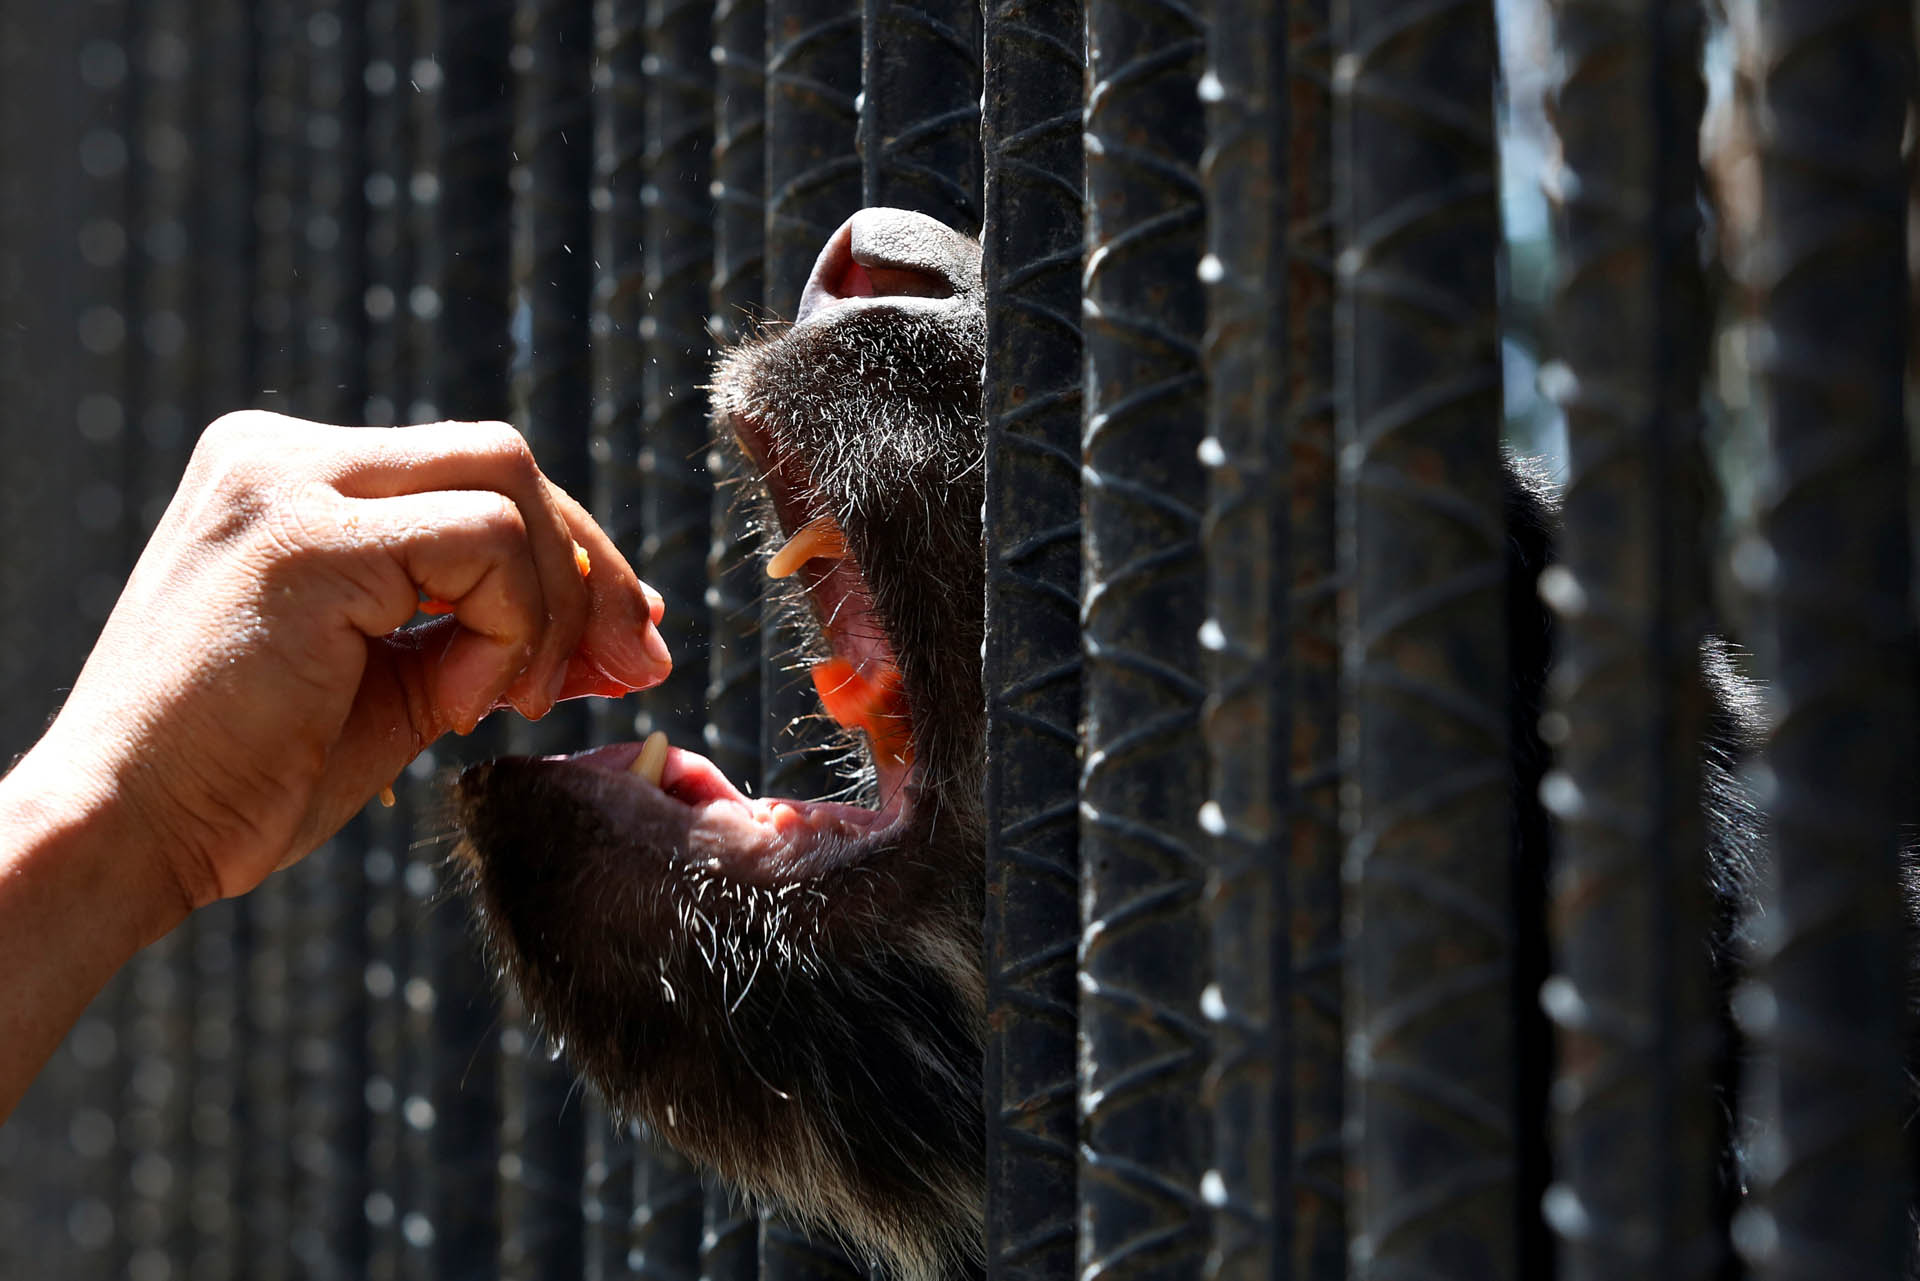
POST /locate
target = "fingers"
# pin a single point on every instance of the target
(470, 548)
(621, 640)
(390, 463)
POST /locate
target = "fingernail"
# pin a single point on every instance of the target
(556, 683)
(656, 604)
(656, 646)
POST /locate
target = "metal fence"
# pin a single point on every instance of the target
(1282, 980)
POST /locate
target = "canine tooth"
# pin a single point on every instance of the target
(652, 761)
(821, 536)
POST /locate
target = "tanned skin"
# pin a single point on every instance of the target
(250, 691)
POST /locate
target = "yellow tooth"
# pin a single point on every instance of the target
(821, 536)
(652, 761)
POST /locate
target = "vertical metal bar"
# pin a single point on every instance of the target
(1032, 239)
(1430, 997)
(1831, 567)
(920, 107)
(1271, 720)
(729, 1245)
(1638, 1143)
(619, 235)
(390, 144)
(543, 1141)
(156, 1117)
(813, 184)
(676, 492)
(224, 143)
(266, 949)
(1143, 950)
(329, 1048)
(64, 245)
(468, 273)
(737, 299)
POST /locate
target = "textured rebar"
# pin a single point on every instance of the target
(676, 487)
(1271, 721)
(1638, 1136)
(1031, 664)
(1143, 948)
(390, 372)
(543, 1156)
(330, 1238)
(920, 108)
(813, 185)
(736, 299)
(1430, 1000)
(619, 233)
(466, 275)
(788, 1254)
(222, 47)
(279, 383)
(729, 1238)
(155, 1119)
(676, 493)
(1831, 568)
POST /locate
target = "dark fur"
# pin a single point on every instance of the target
(820, 1044)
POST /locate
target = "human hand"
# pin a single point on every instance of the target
(252, 689)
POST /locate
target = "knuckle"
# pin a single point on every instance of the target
(506, 448)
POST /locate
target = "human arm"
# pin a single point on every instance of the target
(250, 691)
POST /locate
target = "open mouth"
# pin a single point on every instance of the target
(857, 675)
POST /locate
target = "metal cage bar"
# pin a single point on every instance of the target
(619, 226)
(1271, 721)
(1143, 949)
(1832, 569)
(1431, 995)
(466, 271)
(729, 1238)
(1638, 1143)
(1031, 662)
(920, 108)
(813, 184)
(543, 1140)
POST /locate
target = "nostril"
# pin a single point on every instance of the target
(897, 282)
(854, 282)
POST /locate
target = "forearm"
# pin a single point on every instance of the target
(81, 891)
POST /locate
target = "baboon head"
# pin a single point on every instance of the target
(790, 990)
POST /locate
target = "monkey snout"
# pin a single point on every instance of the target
(890, 254)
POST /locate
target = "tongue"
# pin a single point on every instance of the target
(871, 700)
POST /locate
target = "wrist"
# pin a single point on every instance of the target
(69, 830)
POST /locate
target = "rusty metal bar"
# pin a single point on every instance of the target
(390, 141)
(330, 1237)
(543, 1142)
(223, 46)
(1431, 996)
(1831, 567)
(729, 1239)
(1638, 1144)
(1032, 400)
(812, 185)
(920, 108)
(1271, 722)
(736, 300)
(279, 321)
(619, 226)
(1143, 948)
(466, 275)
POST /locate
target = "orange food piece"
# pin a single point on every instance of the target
(581, 561)
(874, 704)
